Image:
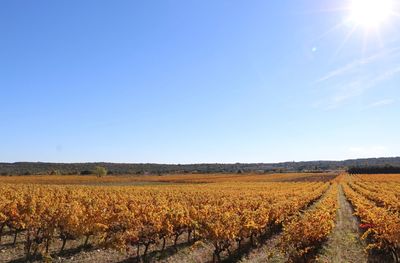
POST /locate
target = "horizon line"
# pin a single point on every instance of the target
(204, 163)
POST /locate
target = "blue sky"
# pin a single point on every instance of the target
(195, 81)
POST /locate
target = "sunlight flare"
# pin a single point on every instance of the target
(370, 13)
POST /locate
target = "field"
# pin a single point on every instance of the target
(315, 217)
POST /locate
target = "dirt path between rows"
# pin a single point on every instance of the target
(344, 244)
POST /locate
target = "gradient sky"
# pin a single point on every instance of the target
(195, 81)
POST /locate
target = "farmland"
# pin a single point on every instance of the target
(293, 217)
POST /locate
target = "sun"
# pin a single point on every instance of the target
(370, 13)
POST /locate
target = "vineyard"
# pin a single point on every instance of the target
(212, 218)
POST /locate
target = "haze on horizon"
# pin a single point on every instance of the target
(199, 81)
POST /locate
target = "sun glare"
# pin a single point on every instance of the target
(370, 13)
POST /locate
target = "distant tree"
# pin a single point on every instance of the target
(100, 171)
(55, 172)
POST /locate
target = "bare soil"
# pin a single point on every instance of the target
(75, 252)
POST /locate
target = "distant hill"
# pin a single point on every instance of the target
(34, 168)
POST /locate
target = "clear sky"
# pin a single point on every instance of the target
(197, 81)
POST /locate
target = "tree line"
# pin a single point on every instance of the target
(35, 168)
(388, 169)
